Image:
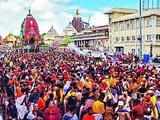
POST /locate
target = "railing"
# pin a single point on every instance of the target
(90, 35)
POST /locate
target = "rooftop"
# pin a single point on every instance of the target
(90, 30)
(145, 13)
(52, 31)
(122, 10)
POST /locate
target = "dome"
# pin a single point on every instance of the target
(30, 29)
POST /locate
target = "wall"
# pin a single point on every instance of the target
(130, 29)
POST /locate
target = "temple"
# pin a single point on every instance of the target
(78, 23)
(30, 31)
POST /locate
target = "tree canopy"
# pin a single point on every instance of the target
(67, 40)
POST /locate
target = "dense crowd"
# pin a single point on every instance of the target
(57, 85)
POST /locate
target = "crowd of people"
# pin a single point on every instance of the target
(58, 85)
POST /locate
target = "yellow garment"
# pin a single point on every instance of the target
(80, 85)
(98, 107)
(112, 81)
(107, 82)
(71, 94)
(155, 113)
(154, 110)
(154, 100)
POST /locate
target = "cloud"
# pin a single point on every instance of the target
(95, 17)
(47, 13)
(99, 18)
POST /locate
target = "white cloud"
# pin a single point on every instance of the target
(99, 18)
(41, 5)
(47, 13)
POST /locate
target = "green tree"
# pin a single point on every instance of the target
(43, 34)
(67, 40)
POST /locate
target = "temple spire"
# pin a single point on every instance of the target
(77, 12)
(29, 12)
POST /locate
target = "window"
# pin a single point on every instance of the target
(158, 37)
(123, 26)
(120, 26)
(132, 24)
(128, 25)
(128, 38)
(106, 33)
(122, 38)
(149, 37)
(149, 22)
(117, 39)
(133, 38)
(133, 51)
(115, 27)
(137, 23)
(158, 21)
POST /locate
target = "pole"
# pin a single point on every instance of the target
(140, 28)
(151, 50)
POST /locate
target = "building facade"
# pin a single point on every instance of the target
(50, 36)
(69, 30)
(11, 40)
(125, 31)
(95, 38)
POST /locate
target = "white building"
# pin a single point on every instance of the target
(94, 38)
(125, 27)
(69, 30)
(50, 36)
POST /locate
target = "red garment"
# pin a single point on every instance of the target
(88, 117)
(52, 113)
(138, 111)
(65, 66)
(53, 77)
(41, 104)
(103, 86)
(11, 82)
(66, 75)
(41, 87)
(30, 82)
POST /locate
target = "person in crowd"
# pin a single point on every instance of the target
(12, 110)
(64, 85)
(52, 112)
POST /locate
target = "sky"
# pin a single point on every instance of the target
(56, 13)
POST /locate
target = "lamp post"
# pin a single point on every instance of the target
(140, 29)
(151, 50)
